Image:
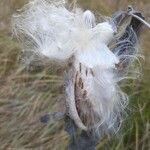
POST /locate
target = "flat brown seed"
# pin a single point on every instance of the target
(80, 67)
(92, 72)
(86, 72)
(80, 82)
(84, 94)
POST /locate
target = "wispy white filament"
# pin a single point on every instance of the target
(140, 19)
(47, 28)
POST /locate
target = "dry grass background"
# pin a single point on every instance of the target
(27, 92)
